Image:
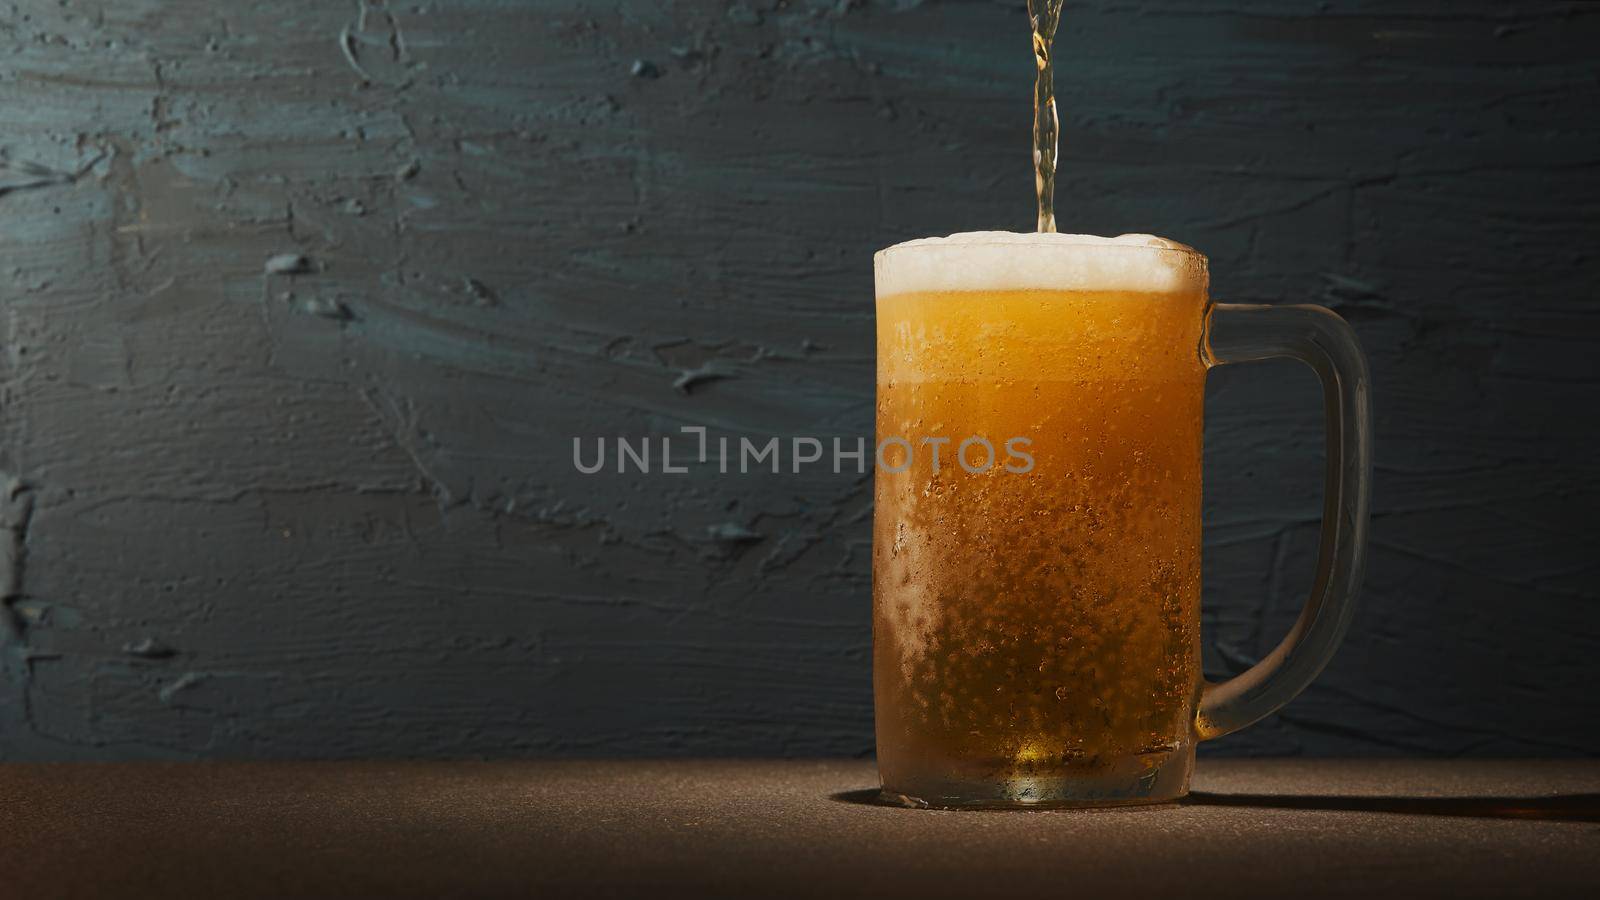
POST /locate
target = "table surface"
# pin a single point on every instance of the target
(783, 828)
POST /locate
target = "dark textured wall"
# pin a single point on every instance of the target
(304, 301)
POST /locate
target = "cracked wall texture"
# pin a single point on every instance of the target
(303, 302)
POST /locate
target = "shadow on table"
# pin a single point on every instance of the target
(1554, 808)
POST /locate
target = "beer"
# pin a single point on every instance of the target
(1036, 628)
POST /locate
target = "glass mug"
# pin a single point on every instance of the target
(1036, 536)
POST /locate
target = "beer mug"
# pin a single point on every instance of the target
(1036, 537)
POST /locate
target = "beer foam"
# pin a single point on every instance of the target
(1010, 261)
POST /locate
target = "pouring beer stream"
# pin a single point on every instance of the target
(1045, 15)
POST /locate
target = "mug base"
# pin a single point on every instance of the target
(1140, 781)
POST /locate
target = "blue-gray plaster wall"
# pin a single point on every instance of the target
(326, 506)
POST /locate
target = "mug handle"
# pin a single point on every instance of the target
(1237, 332)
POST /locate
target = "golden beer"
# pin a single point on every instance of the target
(1036, 627)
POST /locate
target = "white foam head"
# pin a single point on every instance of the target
(1009, 261)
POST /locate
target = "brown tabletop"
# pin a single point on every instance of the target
(1280, 828)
